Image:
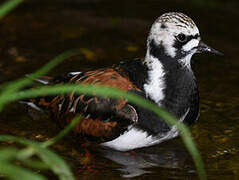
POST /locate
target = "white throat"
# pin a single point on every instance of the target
(155, 85)
(186, 61)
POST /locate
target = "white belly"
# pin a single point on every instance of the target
(135, 138)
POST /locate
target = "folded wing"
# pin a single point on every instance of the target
(103, 118)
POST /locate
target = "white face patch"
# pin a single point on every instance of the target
(162, 37)
(164, 33)
(190, 45)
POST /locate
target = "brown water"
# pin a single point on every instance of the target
(111, 31)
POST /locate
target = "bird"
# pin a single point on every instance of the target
(164, 77)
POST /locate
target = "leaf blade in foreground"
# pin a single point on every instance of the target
(8, 6)
(14, 172)
(16, 85)
(51, 159)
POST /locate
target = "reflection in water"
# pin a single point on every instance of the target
(169, 156)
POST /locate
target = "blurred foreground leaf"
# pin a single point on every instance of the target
(16, 85)
(48, 157)
(56, 163)
(62, 133)
(14, 172)
(50, 160)
(8, 6)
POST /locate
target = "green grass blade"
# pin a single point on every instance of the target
(8, 6)
(8, 154)
(116, 93)
(8, 138)
(35, 164)
(15, 173)
(12, 154)
(25, 153)
(8, 89)
(18, 84)
(56, 163)
(51, 159)
(62, 133)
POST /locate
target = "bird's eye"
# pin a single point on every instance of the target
(182, 38)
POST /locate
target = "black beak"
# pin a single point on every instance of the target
(202, 47)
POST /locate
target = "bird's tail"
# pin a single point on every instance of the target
(45, 102)
(37, 103)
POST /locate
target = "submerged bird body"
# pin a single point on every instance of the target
(164, 77)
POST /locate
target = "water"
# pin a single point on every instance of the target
(108, 32)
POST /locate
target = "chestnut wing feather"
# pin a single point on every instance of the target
(104, 118)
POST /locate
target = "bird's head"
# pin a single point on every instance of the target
(174, 35)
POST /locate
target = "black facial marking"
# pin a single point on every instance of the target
(193, 37)
(182, 38)
(179, 44)
(187, 39)
(156, 51)
(163, 26)
(159, 52)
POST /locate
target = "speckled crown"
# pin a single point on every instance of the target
(178, 18)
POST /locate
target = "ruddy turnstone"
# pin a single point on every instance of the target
(164, 77)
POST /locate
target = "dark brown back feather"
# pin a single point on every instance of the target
(104, 118)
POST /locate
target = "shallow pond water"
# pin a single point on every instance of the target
(111, 31)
